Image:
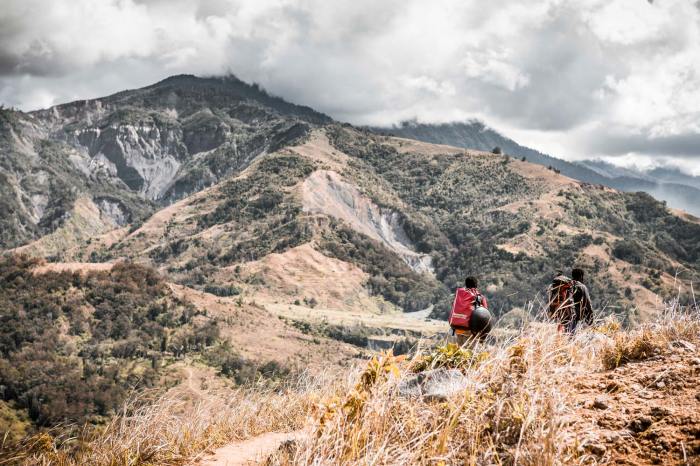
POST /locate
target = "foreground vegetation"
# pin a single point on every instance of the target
(514, 407)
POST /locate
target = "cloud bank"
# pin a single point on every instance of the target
(588, 78)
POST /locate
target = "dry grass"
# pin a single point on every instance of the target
(508, 413)
(649, 339)
(515, 409)
(173, 430)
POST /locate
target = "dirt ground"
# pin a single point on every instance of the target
(646, 412)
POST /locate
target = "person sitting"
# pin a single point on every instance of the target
(470, 317)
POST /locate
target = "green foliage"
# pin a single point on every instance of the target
(261, 205)
(628, 250)
(357, 335)
(223, 291)
(73, 345)
(241, 370)
(390, 277)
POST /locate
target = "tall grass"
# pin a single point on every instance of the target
(510, 411)
(174, 429)
(515, 408)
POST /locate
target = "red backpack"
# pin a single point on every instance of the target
(466, 299)
(561, 296)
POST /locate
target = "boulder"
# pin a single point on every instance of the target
(436, 384)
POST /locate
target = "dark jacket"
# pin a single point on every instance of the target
(582, 303)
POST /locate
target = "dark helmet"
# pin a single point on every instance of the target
(481, 321)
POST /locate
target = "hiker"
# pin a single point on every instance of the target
(569, 301)
(469, 317)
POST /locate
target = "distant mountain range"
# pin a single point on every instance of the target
(676, 188)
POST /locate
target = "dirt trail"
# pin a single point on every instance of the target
(73, 267)
(250, 451)
(646, 412)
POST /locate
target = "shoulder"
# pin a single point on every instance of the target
(580, 287)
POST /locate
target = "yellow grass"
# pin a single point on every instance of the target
(515, 409)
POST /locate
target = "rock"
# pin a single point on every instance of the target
(697, 396)
(640, 424)
(659, 412)
(683, 345)
(596, 339)
(623, 448)
(600, 403)
(612, 437)
(596, 448)
(437, 384)
(614, 387)
(660, 384)
(695, 362)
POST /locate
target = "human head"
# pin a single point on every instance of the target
(471, 282)
(577, 274)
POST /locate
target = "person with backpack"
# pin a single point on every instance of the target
(470, 317)
(569, 301)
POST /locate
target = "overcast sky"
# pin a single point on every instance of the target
(618, 79)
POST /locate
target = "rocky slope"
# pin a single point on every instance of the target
(135, 151)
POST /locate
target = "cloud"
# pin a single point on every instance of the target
(576, 78)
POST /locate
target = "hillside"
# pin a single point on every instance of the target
(410, 234)
(131, 153)
(679, 190)
(78, 340)
(287, 240)
(284, 177)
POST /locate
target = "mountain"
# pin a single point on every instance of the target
(679, 190)
(306, 241)
(126, 155)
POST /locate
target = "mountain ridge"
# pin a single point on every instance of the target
(474, 134)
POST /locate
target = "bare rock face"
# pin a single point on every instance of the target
(327, 193)
(146, 155)
(157, 144)
(437, 384)
(114, 210)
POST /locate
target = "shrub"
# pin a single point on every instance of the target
(57, 378)
(628, 347)
(629, 251)
(222, 291)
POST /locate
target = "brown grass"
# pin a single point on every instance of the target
(508, 414)
(515, 409)
(173, 430)
(649, 339)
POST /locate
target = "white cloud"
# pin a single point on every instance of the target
(576, 78)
